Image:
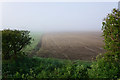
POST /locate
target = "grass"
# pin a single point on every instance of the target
(37, 67)
(35, 39)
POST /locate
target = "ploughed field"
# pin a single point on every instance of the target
(71, 45)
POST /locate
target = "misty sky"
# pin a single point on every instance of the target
(38, 16)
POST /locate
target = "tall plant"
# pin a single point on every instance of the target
(13, 41)
(111, 31)
(108, 65)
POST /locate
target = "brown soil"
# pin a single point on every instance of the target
(71, 45)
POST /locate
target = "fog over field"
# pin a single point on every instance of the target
(61, 16)
(71, 46)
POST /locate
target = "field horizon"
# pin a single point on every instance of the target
(70, 45)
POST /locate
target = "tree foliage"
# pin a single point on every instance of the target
(108, 64)
(13, 41)
(111, 31)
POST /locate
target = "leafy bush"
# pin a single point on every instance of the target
(108, 64)
(28, 68)
(111, 31)
(105, 68)
(13, 41)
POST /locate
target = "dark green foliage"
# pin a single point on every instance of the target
(108, 64)
(111, 31)
(44, 68)
(13, 41)
(105, 68)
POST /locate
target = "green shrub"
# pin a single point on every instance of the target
(13, 41)
(105, 68)
(108, 64)
(28, 68)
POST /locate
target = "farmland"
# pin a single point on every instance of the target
(71, 45)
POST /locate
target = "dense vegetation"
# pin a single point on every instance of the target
(105, 66)
(36, 67)
(13, 41)
(108, 64)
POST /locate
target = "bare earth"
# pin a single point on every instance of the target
(71, 45)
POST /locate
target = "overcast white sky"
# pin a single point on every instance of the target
(53, 16)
